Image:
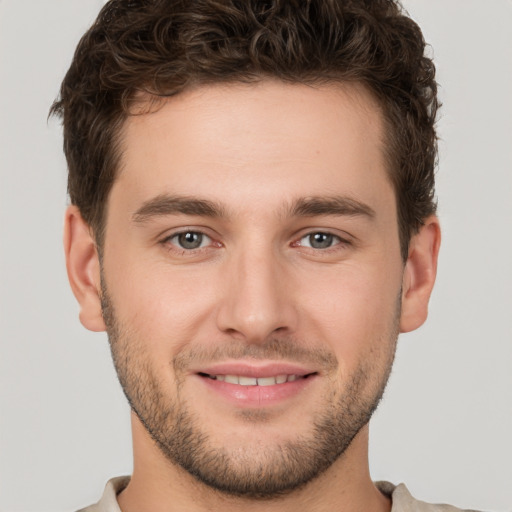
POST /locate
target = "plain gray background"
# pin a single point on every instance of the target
(445, 424)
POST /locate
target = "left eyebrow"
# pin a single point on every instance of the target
(164, 204)
(334, 205)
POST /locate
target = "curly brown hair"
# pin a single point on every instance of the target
(162, 47)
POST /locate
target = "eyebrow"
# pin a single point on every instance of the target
(164, 204)
(332, 205)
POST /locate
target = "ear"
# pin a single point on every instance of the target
(83, 267)
(420, 274)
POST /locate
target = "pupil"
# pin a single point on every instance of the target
(320, 240)
(190, 240)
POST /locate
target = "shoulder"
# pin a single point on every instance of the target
(404, 502)
(108, 502)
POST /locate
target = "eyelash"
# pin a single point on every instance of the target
(338, 243)
(334, 239)
(167, 242)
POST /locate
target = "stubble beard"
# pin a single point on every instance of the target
(256, 472)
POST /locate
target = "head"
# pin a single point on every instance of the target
(139, 52)
(252, 189)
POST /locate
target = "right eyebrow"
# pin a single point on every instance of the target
(164, 204)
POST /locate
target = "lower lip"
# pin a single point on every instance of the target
(258, 396)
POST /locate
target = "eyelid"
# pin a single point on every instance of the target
(308, 235)
(170, 232)
(203, 235)
(165, 239)
(342, 236)
(342, 245)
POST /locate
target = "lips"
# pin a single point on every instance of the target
(248, 384)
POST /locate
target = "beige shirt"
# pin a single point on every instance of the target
(400, 496)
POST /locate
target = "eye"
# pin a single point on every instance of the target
(190, 240)
(319, 240)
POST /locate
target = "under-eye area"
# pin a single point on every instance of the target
(257, 381)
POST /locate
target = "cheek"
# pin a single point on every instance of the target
(163, 305)
(355, 311)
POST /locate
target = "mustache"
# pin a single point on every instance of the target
(276, 349)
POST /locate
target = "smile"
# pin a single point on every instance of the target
(256, 381)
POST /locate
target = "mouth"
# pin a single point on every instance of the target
(243, 380)
(253, 385)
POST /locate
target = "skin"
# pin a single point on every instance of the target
(255, 151)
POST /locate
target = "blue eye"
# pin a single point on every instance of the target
(319, 240)
(190, 240)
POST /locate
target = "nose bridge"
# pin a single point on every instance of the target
(255, 302)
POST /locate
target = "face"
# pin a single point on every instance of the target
(252, 279)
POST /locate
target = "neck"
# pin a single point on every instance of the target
(158, 485)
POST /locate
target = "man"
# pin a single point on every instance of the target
(253, 223)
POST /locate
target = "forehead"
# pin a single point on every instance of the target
(264, 140)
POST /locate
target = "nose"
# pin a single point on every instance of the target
(257, 301)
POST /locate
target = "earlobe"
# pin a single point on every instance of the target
(83, 268)
(420, 274)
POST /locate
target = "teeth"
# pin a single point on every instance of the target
(253, 381)
(266, 381)
(247, 381)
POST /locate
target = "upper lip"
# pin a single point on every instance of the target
(255, 369)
